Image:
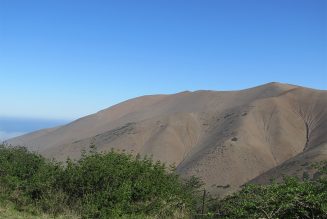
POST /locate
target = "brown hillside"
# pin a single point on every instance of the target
(227, 138)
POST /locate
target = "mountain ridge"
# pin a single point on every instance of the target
(224, 137)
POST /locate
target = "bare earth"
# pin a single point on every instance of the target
(227, 138)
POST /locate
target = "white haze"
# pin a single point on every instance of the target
(7, 135)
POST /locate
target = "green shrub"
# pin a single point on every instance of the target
(117, 185)
(114, 184)
(99, 185)
(27, 179)
(292, 198)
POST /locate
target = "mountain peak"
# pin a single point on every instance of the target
(210, 134)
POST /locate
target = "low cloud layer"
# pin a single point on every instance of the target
(13, 127)
(7, 135)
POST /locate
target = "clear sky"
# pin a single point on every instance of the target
(67, 58)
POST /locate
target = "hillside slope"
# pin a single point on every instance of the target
(227, 138)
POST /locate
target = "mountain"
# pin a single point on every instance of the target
(227, 138)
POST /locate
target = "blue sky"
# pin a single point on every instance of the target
(65, 59)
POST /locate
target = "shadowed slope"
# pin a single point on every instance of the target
(300, 166)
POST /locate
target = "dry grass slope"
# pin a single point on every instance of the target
(226, 138)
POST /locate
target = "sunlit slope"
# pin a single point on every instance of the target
(227, 138)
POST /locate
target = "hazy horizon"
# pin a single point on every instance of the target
(11, 127)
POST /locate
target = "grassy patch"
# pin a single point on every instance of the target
(8, 211)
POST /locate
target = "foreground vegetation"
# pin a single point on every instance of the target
(110, 185)
(290, 199)
(9, 211)
(116, 185)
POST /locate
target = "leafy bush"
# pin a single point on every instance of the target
(30, 181)
(293, 198)
(96, 186)
(116, 185)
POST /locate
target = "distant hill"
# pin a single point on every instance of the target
(225, 137)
